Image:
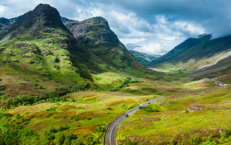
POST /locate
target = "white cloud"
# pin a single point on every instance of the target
(157, 34)
(131, 40)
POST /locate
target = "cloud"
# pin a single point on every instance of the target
(157, 26)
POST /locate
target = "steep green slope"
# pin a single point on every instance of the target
(96, 35)
(42, 44)
(140, 57)
(194, 53)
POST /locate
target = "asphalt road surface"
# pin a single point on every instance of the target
(110, 134)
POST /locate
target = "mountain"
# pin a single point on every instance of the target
(131, 46)
(5, 26)
(195, 53)
(41, 43)
(140, 57)
(151, 56)
(96, 35)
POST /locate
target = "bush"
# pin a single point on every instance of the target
(195, 140)
(89, 140)
(1, 93)
(51, 109)
(61, 128)
(5, 115)
(65, 138)
(53, 130)
(149, 108)
(72, 100)
(0, 79)
(17, 116)
(186, 110)
(100, 129)
(40, 87)
(125, 83)
(62, 89)
(228, 133)
(34, 85)
(2, 88)
(89, 118)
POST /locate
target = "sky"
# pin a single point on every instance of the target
(156, 26)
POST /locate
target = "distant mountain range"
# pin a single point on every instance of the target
(143, 58)
(195, 53)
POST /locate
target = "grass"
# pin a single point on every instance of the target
(82, 116)
(172, 124)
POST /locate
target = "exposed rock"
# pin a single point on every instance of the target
(19, 45)
(92, 31)
(38, 21)
(195, 107)
(134, 138)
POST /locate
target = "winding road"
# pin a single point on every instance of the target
(110, 134)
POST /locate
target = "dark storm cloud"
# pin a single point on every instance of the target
(156, 25)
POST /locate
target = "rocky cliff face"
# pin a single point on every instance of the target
(93, 31)
(39, 20)
(96, 35)
(5, 26)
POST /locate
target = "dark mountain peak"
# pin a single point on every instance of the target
(4, 21)
(96, 21)
(41, 19)
(93, 31)
(44, 16)
(205, 36)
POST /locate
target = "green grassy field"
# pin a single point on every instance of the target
(198, 116)
(82, 113)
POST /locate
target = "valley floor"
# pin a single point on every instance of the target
(193, 112)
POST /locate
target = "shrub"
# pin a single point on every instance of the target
(5, 115)
(65, 138)
(62, 89)
(1, 93)
(34, 85)
(51, 109)
(40, 87)
(0, 79)
(17, 116)
(61, 128)
(195, 140)
(72, 100)
(100, 129)
(89, 118)
(53, 130)
(73, 90)
(228, 133)
(149, 108)
(2, 88)
(89, 140)
(186, 110)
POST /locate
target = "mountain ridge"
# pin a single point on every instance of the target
(195, 52)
